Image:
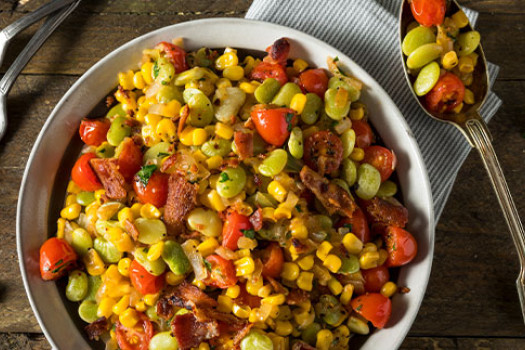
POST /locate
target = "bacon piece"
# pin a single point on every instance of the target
(244, 144)
(384, 212)
(301, 345)
(112, 180)
(240, 334)
(277, 287)
(256, 219)
(132, 229)
(96, 328)
(165, 308)
(182, 198)
(297, 296)
(184, 295)
(184, 114)
(190, 332)
(278, 52)
(334, 198)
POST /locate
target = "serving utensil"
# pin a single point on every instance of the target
(31, 48)
(474, 128)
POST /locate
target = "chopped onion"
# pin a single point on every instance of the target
(156, 109)
(153, 89)
(196, 260)
(226, 253)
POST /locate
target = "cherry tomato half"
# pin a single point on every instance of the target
(265, 70)
(232, 229)
(314, 80)
(358, 225)
(382, 159)
(446, 95)
(323, 151)
(143, 281)
(56, 257)
(83, 174)
(155, 192)
(401, 246)
(94, 131)
(222, 272)
(175, 54)
(374, 307)
(428, 12)
(129, 159)
(136, 338)
(273, 260)
(363, 133)
(375, 278)
(274, 124)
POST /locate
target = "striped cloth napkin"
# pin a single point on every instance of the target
(367, 32)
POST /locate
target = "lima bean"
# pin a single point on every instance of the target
(205, 221)
(285, 94)
(107, 250)
(256, 341)
(417, 37)
(185, 77)
(295, 143)
(426, 79)
(387, 189)
(231, 182)
(94, 283)
(163, 341)
(163, 71)
(174, 257)
(118, 130)
(342, 183)
(311, 109)
(151, 231)
(230, 100)
(220, 147)
(264, 200)
(349, 265)
(340, 82)
(267, 90)
(424, 55)
(116, 110)
(168, 93)
(156, 153)
(85, 198)
(348, 140)
(274, 163)
(77, 286)
(309, 333)
(201, 109)
(467, 43)
(155, 267)
(151, 312)
(88, 311)
(368, 181)
(81, 241)
(337, 103)
(105, 150)
(349, 173)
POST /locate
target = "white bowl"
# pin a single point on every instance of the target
(53, 154)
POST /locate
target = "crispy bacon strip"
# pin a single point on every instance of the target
(96, 328)
(334, 198)
(182, 198)
(184, 295)
(112, 180)
(240, 334)
(278, 52)
(184, 114)
(256, 219)
(132, 230)
(277, 287)
(297, 296)
(382, 211)
(190, 332)
(301, 345)
(244, 144)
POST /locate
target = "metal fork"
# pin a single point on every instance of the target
(31, 48)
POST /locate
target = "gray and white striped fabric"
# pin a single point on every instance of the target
(367, 31)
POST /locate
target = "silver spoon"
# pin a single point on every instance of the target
(474, 128)
(27, 53)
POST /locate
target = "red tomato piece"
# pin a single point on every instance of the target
(247, 299)
(358, 224)
(274, 124)
(314, 80)
(363, 133)
(143, 281)
(83, 175)
(374, 307)
(136, 338)
(56, 257)
(273, 260)
(94, 131)
(222, 272)
(382, 159)
(175, 54)
(155, 192)
(447, 94)
(375, 278)
(265, 70)
(232, 229)
(401, 246)
(129, 159)
(428, 12)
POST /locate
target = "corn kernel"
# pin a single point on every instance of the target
(216, 201)
(166, 130)
(335, 286)
(298, 102)
(223, 130)
(71, 212)
(300, 65)
(450, 60)
(186, 136)
(149, 135)
(466, 64)
(265, 291)
(290, 271)
(149, 211)
(346, 295)
(469, 97)
(125, 80)
(72, 187)
(460, 19)
(173, 279)
(233, 291)
(248, 88)
(155, 251)
(208, 246)
(121, 305)
(304, 281)
(306, 263)
(458, 108)
(203, 346)
(243, 253)
(228, 59)
(129, 318)
(352, 244)
(369, 260)
(71, 199)
(152, 119)
(61, 226)
(357, 154)
(282, 212)
(276, 299)
(241, 311)
(94, 263)
(357, 113)
(135, 209)
(151, 299)
(323, 250)
(170, 109)
(138, 81)
(146, 71)
(252, 287)
(105, 307)
(388, 289)
(298, 228)
(324, 339)
(383, 255)
(214, 162)
(199, 136)
(141, 306)
(125, 214)
(277, 191)
(369, 247)
(283, 328)
(123, 266)
(225, 304)
(268, 213)
(223, 83)
(233, 73)
(357, 326)
(332, 263)
(199, 284)
(244, 266)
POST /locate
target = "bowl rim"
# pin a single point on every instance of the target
(408, 319)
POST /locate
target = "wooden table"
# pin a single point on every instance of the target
(471, 300)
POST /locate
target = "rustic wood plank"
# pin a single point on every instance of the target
(23, 341)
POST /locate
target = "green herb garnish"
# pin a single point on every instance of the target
(156, 69)
(208, 265)
(248, 233)
(224, 177)
(145, 173)
(348, 226)
(289, 118)
(162, 154)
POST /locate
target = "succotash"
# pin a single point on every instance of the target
(230, 202)
(441, 55)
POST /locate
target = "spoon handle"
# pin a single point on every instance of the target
(480, 136)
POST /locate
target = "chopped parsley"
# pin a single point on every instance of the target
(289, 118)
(298, 208)
(336, 59)
(394, 248)
(156, 69)
(224, 177)
(348, 226)
(162, 154)
(145, 173)
(208, 265)
(248, 233)
(359, 307)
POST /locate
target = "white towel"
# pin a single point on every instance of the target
(367, 31)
